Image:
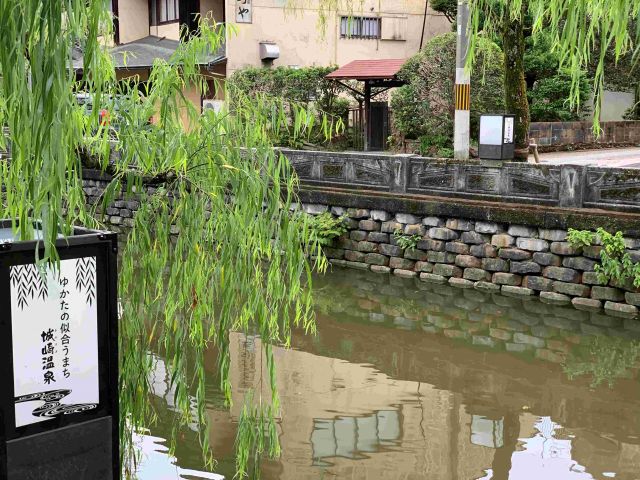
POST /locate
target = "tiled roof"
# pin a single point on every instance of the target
(368, 69)
(141, 53)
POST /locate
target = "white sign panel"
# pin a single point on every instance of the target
(243, 11)
(508, 129)
(54, 324)
(491, 130)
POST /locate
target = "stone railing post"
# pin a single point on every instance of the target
(572, 185)
(399, 179)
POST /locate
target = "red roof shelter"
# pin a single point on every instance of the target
(378, 76)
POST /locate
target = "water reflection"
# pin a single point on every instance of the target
(354, 437)
(411, 381)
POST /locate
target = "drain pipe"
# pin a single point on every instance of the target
(424, 22)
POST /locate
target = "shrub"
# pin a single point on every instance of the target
(425, 107)
(548, 99)
(549, 88)
(305, 87)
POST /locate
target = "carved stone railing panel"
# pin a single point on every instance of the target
(612, 187)
(570, 186)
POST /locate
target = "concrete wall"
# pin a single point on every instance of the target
(213, 7)
(169, 30)
(614, 105)
(302, 42)
(566, 186)
(133, 17)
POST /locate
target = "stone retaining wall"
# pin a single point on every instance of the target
(484, 255)
(487, 256)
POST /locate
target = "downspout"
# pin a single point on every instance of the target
(424, 23)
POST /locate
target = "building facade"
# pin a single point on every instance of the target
(273, 33)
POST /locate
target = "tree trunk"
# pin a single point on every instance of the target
(515, 85)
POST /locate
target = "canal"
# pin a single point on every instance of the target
(410, 380)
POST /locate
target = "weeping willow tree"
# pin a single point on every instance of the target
(582, 33)
(215, 245)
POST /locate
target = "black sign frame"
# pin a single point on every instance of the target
(84, 243)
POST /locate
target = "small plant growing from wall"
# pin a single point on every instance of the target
(406, 242)
(615, 261)
(326, 227)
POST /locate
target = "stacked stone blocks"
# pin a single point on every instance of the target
(488, 256)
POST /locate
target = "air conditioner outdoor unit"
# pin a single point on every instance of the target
(215, 105)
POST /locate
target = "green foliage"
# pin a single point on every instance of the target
(298, 88)
(615, 261)
(605, 359)
(549, 99)
(580, 238)
(325, 227)
(449, 8)
(406, 242)
(436, 145)
(581, 32)
(425, 107)
(549, 86)
(240, 260)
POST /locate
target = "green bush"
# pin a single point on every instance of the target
(325, 227)
(548, 99)
(424, 108)
(305, 87)
(548, 87)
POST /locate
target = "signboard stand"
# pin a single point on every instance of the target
(58, 347)
(497, 139)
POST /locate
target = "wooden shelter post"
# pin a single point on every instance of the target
(367, 114)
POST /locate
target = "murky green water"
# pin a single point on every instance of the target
(407, 380)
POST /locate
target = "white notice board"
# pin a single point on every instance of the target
(54, 325)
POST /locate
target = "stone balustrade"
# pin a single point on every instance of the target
(566, 186)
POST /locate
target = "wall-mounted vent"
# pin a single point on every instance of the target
(269, 51)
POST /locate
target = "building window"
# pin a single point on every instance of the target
(164, 11)
(360, 27)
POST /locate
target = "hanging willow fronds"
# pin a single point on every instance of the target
(216, 244)
(582, 32)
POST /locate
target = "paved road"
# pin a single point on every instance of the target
(616, 157)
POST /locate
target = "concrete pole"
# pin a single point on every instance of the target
(463, 86)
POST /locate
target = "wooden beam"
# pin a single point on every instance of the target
(386, 83)
(349, 87)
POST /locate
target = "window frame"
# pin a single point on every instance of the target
(358, 23)
(154, 12)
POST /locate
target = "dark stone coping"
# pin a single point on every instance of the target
(516, 214)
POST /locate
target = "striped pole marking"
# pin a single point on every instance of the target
(463, 96)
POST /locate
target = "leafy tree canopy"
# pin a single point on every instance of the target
(575, 28)
(425, 107)
(449, 8)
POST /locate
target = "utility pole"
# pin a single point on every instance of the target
(463, 86)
